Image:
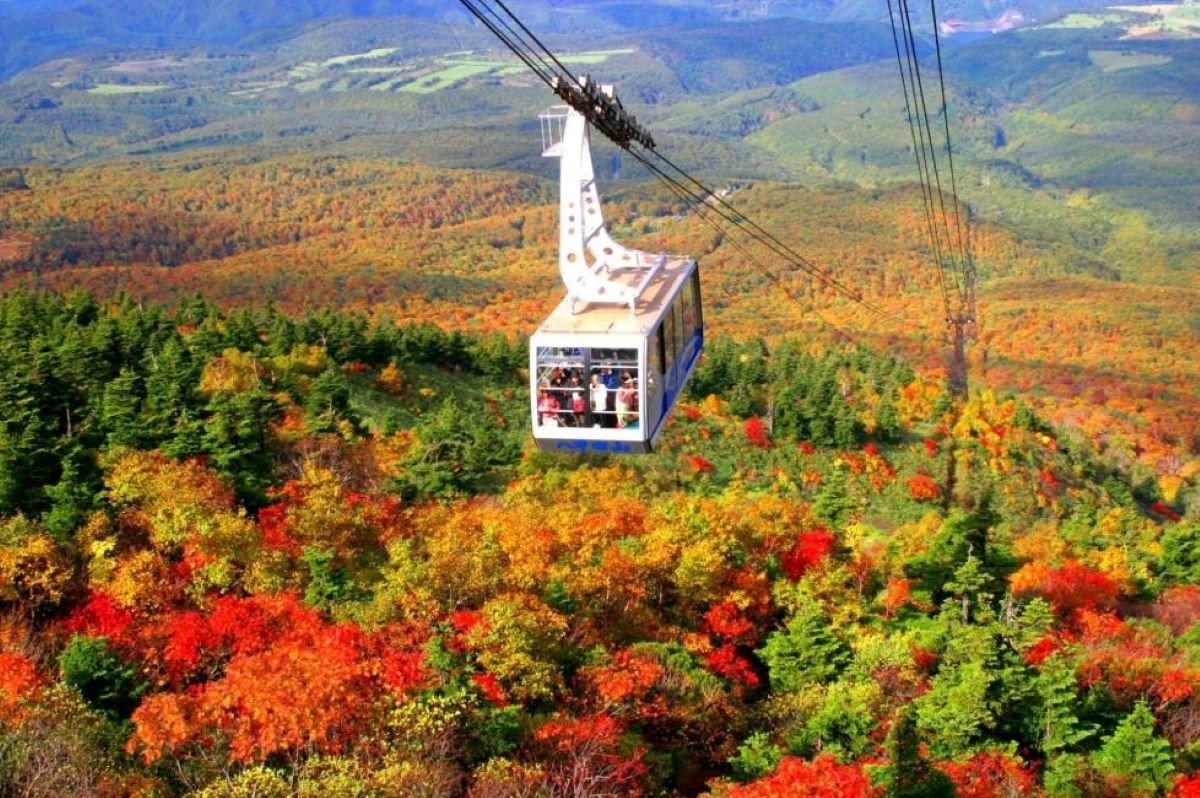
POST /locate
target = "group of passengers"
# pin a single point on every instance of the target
(607, 400)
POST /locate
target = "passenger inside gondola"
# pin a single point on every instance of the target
(587, 388)
(548, 408)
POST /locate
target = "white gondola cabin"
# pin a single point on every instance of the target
(610, 362)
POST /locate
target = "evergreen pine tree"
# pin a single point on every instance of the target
(235, 437)
(104, 352)
(28, 439)
(1060, 727)
(833, 503)
(847, 426)
(956, 712)
(281, 333)
(1135, 757)
(328, 401)
(241, 330)
(910, 775)
(171, 381)
(457, 453)
(119, 406)
(75, 493)
(887, 419)
(804, 652)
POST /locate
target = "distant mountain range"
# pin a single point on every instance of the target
(35, 31)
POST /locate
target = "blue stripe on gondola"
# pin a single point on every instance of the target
(613, 447)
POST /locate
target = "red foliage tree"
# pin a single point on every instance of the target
(1042, 650)
(727, 663)
(823, 777)
(727, 621)
(924, 488)
(896, 596)
(272, 521)
(490, 688)
(100, 616)
(1131, 662)
(463, 622)
(289, 682)
(1186, 787)
(990, 774)
(756, 433)
(810, 548)
(627, 685)
(583, 757)
(1069, 587)
(19, 682)
(1178, 607)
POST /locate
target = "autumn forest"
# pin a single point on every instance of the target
(282, 549)
(272, 522)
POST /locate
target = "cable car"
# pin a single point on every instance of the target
(610, 362)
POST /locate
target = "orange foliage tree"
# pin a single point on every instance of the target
(292, 684)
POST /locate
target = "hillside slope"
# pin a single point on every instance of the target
(244, 554)
(1094, 316)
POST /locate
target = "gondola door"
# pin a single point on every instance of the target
(652, 399)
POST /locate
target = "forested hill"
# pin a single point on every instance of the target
(271, 520)
(248, 554)
(36, 30)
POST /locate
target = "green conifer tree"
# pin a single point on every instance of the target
(833, 502)
(76, 492)
(172, 378)
(804, 652)
(1060, 727)
(908, 774)
(1135, 757)
(119, 410)
(328, 401)
(235, 438)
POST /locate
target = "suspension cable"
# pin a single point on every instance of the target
(702, 211)
(937, 44)
(520, 51)
(770, 240)
(698, 198)
(562, 67)
(922, 115)
(919, 153)
(528, 52)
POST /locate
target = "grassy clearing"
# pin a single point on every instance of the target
(127, 88)
(378, 52)
(316, 84)
(1115, 61)
(1178, 21)
(595, 56)
(456, 69)
(1087, 21)
(440, 73)
(305, 70)
(450, 75)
